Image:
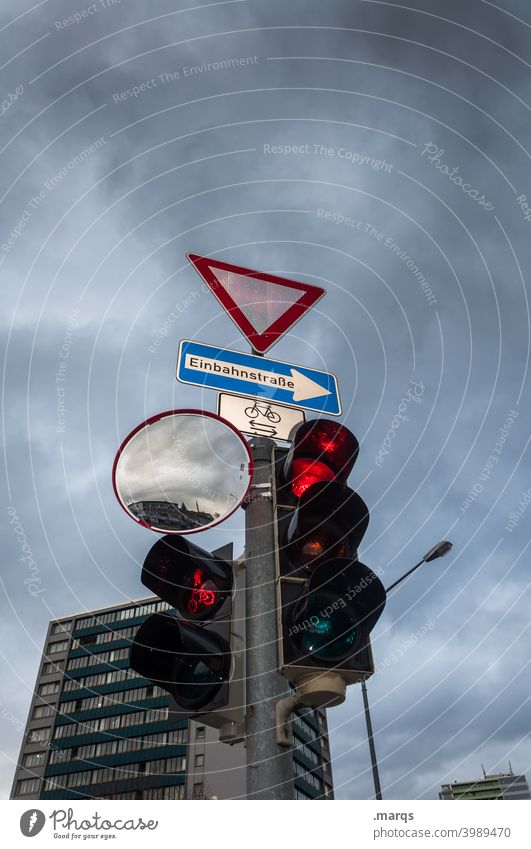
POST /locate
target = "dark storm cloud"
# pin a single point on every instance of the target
(107, 187)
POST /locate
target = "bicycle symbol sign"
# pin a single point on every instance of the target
(259, 417)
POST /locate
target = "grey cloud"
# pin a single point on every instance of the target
(166, 182)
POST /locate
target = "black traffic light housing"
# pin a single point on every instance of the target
(328, 602)
(197, 583)
(321, 450)
(327, 620)
(196, 650)
(188, 661)
(329, 520)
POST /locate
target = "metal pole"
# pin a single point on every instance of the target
(269, 766)
(404, 576)
(372, 750)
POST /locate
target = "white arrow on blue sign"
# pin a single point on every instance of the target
(246, 374)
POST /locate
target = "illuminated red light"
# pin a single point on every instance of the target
(327, 444)
(306, 472)
(201, 597)
(322, 450)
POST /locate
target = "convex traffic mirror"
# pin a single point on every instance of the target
(182, 471)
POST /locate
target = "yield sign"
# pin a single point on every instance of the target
(262, 306)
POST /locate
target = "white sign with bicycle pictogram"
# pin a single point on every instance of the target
(259, 417)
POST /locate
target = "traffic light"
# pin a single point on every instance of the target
(328, 602)
(195, 651)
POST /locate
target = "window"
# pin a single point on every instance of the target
(49, 668)
(120, 745)
(39, 735)
(199, 760)
(103, 657)
(123, 720)
(88, 622)
(300, 795)
(49, 689)
(61, 627)
(300, 747)
(27, 785)
(172, 792)
(55, 648)
(35, 759)
(111, 699)
(176, 792)
(117, 773)
(106, 636)
(198, 790)
(114, 677)
(41, 711)
(301, 723)
(59, 755)
(200, 733)
(308, 777)
(87, 641)
(131, 612)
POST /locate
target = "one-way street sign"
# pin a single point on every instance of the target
(246, 374)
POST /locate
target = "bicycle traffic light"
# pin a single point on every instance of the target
(328, 602)
(193, 652)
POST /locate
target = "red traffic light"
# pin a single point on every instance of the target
(328, 601)
(202, 594)
(321, 450)
(194, 581)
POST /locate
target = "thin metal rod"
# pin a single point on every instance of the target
(404, 576)
(372, 750)
(269, 766)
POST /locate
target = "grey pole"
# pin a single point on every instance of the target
(269, 766)
(372, 749)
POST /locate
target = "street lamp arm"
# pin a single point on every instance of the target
(438, 550)
(404, 576)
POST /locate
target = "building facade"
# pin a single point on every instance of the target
(500, 786)
(96, 729)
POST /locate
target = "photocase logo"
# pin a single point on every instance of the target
(32, 822)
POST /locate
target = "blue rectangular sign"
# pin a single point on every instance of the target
(247, 374)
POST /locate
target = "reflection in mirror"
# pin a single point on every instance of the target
(182, 471)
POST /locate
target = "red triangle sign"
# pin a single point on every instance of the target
(262, 306)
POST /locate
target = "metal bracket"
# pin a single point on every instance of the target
(283, 710)
(259, 492)
(287, 579)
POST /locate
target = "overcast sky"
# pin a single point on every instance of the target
(375, 149)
